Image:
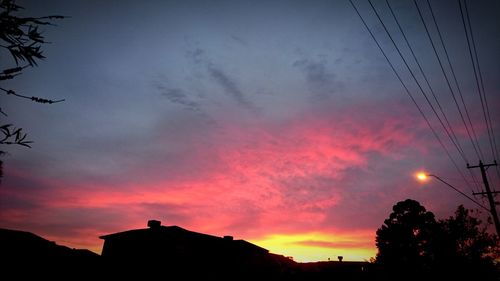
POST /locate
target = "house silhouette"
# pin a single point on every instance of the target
(26, 256)
(187, 253)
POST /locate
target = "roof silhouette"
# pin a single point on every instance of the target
(162, 252)
(21, 250)
(182, 251)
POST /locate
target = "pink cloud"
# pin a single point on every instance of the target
(249, 181)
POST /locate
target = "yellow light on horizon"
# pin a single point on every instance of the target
(421, 176)
(312, 247)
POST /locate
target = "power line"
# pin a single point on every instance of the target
(475, 72)
(457, 145)
(478, 151)
(493, 144)
(409, 93)
(459, 191)
(491, 134)
(427, 82)
(422, 71)
(439, 60)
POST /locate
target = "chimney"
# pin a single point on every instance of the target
(340, 258)
(228, 238)
(154, 224)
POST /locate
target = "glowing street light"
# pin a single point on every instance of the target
(422, 176)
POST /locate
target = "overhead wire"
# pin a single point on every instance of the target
(422, 72)
(493, 143)
(457, 144)
(440, 63)
(479, 82)
(491, 134)
(475, 144)
(477, 149)
(475, 73)
(445, 75)
(409, 93)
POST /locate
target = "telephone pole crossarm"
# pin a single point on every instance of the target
(483, 193)
(489, 193)
(481, 164)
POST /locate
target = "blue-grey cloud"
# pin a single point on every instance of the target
(321, 81)
(118, 132)
(230, 87)
(239, 40)
(178, 96)
(218, 75)
(196, 55)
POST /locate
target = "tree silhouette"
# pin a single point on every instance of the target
(466, 248)
(413, 245)
(22, 39)
(404, 242)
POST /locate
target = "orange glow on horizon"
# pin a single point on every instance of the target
(312, 247)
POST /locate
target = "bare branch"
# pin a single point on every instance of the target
(35, 99)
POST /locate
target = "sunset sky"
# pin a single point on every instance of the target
(277, 122)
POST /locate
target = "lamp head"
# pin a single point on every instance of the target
(421, 176)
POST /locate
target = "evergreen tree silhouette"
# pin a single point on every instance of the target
(404, 242)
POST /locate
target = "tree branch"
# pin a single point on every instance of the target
(17, 135)
(35, 99)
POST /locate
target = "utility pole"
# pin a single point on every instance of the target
(488, 192)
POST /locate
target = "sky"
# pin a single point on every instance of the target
(276, 122)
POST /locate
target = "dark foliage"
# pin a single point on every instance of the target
(14, 136)
(405, 240)
(22, 39)
(466, 249)
(413, 245)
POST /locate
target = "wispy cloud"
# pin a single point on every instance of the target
(239, 40)
(197, 55)
(230, 87)
(178, 96)
(322, 82)
(222, 79)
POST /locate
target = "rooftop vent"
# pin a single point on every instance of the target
(154, 224)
